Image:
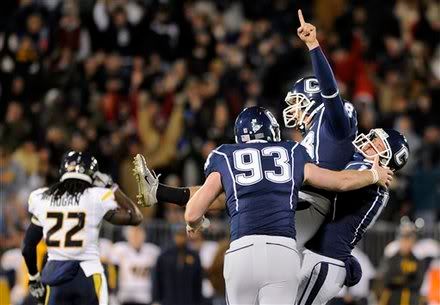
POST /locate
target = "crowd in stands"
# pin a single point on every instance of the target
(166, 78)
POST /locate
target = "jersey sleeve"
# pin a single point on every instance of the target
(338, 118)
(301, 158)
(360, 166)
(33, 206)
(105, 200)
(213, 162)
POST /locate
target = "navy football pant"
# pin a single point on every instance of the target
(81, 290)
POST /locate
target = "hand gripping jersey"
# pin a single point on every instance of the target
(354, 212)
(71, 228)
(261, 181)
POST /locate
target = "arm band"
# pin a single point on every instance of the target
(176, 195)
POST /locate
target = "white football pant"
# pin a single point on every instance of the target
(321, 279)
(261, 269)
(308, 221)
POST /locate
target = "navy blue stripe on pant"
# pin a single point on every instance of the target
(318, 283)
(320, 279)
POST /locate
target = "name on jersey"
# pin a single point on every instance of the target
(64, 202)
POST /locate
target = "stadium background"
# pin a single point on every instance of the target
(166, 79)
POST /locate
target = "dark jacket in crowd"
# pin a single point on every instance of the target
(178, 278)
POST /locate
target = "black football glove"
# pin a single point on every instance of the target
(36, 288)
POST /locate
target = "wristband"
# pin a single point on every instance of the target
(204, 223)
(375, 175)
(34, 277)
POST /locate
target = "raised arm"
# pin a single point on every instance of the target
(334, 105)
(127, 212)
(346, 180)
(202, 199)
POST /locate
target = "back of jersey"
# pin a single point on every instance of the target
(261, 181)
(71, 227)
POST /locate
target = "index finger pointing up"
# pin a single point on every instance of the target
(301, 18)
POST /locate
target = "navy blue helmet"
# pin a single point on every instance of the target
(256, 123)
(303, 99)
(78, 165)
(396, 150)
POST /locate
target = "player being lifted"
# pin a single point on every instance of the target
(328, 263)
(261, 176)
(68, 215)
(328, 124)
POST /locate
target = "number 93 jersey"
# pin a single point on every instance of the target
(261, 181)
(71, 227)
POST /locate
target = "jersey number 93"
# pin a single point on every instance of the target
(249, 160)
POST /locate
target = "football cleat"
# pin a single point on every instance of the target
(147, 182)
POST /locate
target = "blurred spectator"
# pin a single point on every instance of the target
(12, 175)
(136, 260)
(178, 274)
(215, 273)
(403, 272)
(207, 250)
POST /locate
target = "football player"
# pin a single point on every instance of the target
(328, 264)
(328, 124)
(261, 176)
(68, 215)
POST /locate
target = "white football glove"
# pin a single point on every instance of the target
(147, 182)
(36, 288)
(102, 180)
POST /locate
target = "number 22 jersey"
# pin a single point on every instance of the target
(261, 181)
(70, 227)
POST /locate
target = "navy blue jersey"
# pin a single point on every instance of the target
(261, 182)
(353, 213)
(323, 145)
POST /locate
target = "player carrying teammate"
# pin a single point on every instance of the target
(68, 214)
(261, 176)
(328, 263)
(329, 125)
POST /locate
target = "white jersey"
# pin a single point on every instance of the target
(71, 228)
(135, 281)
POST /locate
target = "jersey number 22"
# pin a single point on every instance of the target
(69, 241)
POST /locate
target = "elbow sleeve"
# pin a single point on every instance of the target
(32, 237)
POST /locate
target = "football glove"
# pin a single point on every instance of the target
(102, 180)
(36, 288)
(147, 182)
